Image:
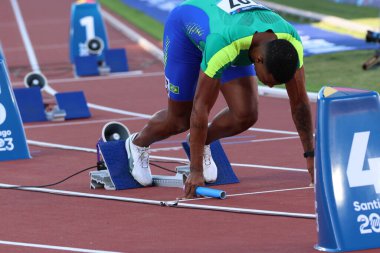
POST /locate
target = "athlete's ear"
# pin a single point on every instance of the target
(260, 58)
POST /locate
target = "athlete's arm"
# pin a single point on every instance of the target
(301, 113)
(205, 97)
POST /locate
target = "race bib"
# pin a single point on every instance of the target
(237, 6)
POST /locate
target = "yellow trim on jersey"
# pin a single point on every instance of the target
(230, 52)
(296, 43)
(227, 55)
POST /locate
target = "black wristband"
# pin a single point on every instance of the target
(308, 154)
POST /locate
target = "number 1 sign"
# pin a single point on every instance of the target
(86, 24)
(347, 169)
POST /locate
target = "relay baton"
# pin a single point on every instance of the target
(209, 192)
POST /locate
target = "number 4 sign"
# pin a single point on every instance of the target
(356, 174)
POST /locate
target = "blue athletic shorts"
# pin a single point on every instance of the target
(182, 58)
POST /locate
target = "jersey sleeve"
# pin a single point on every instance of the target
(217, 56)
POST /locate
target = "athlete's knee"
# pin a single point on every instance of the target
(247, 118)
(178, 125)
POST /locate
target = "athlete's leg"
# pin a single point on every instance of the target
(182, 63)
(165, 123)
(241, 95)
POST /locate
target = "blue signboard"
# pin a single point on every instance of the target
(12, 136)
(86, 24)
(348, 169)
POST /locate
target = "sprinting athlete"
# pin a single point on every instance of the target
(213, 46)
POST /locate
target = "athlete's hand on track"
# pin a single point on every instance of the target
(194, 180)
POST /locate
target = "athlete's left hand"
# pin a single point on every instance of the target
(310, 168)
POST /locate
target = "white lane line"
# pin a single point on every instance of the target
(252, 193)
(134, 36)
(270, 191)
(85, 80)
(81, 122)
(228, 142)
(165, 203)
(125, 30)
(272, 131)
(118, 111)
(25, 37)
(90, 150)
(51, 247)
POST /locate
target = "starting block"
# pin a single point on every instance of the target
(347, 163)
(70, 105)
(116, 175)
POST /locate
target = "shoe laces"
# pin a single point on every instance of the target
(143, 156)
(207, 155)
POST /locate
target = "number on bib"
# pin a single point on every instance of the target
(236, 6)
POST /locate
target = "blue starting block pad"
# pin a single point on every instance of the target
(13, 145)
(115, 158)
(30, 104)
(226, 174)
(116, 59)
(117, 175)
(86, 65)
(347, 169)
(74, 104)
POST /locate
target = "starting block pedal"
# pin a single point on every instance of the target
(117, 166)
(115, 60)
(29, 101)
(226, 174)
(86, 65)
(74, 104)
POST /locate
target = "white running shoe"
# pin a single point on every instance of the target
(138, 161)
(210, 171)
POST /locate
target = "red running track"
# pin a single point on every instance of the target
(41, 222)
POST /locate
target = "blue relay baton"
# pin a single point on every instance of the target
(209, 192)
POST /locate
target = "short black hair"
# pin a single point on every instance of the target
(281, 60)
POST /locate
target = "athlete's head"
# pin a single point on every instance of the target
(275, 61)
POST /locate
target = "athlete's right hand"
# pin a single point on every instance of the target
(194, 180)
